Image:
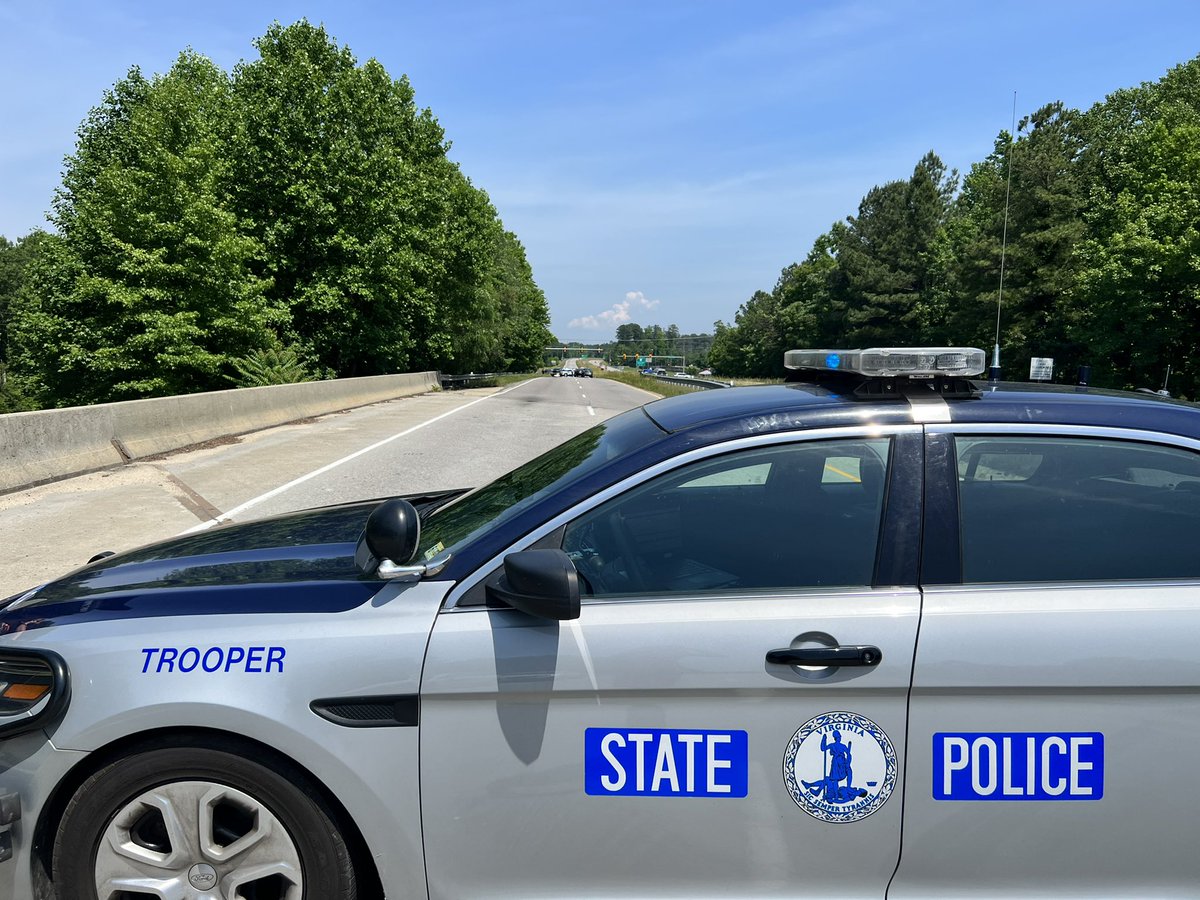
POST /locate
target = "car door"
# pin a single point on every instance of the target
(1055, 710)
(652, 747)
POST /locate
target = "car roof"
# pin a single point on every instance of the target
(809, 405)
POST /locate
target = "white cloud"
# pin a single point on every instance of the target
(618, 315)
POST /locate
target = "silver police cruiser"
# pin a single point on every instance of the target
(884, 631)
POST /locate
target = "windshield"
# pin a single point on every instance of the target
(511, 494)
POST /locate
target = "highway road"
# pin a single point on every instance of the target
(428, 442)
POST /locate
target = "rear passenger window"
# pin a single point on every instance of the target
(1077, 509)
(788, 516)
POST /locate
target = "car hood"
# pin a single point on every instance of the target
(300, 562)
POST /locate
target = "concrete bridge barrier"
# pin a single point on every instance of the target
(49, 444)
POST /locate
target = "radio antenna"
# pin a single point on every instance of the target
(994, 371)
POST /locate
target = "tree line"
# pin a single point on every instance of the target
(665, 346)
(634, 340)
(295, 218)
(1101, 258)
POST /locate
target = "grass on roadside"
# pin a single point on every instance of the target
(653, 385)
(503, 380)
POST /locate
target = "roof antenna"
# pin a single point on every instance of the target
(994, 369)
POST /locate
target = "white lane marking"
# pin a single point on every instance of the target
(591, 412)
(333, 465)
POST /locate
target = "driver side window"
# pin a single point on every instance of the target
(787, 516)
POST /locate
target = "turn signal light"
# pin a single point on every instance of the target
(34, 688)
(26, 692)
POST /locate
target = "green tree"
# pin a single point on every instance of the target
(881, 286)
(305, 202)
(524, 312)
(1100, 262)
(14, 274)
(16, 297)
(384, 252)
(1138, 284)
(803, 291)
(630, 331)
(318, 157)
(723, 354)
(753, 345)
(147, 292)
(1045, 227)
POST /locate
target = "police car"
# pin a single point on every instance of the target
(883, 631)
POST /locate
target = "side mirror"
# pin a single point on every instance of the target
(393, 531)
(542, 583)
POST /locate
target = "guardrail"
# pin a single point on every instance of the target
(699, 384)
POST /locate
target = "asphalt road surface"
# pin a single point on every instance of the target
(428, 442)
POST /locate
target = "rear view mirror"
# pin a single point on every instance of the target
(542, 583)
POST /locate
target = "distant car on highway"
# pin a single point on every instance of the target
(674, 656)
(704, 373)
(570, 372)
(584, 372)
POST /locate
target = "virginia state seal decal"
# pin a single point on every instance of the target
(840, 767)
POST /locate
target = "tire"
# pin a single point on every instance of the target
(198, 823)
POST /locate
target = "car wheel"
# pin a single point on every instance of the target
(194, 823)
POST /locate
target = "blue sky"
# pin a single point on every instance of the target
(659, 160)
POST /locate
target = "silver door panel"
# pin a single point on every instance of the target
(1115, 660)
(507, 701)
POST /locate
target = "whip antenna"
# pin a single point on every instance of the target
(994, 371)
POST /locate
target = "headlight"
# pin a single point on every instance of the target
(34, 689)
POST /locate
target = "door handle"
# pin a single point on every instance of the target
(825, 656)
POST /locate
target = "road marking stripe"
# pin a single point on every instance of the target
(591, 412)
(333, 465)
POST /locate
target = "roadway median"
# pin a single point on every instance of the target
(47, 445)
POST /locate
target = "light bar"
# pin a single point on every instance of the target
(890, 362)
